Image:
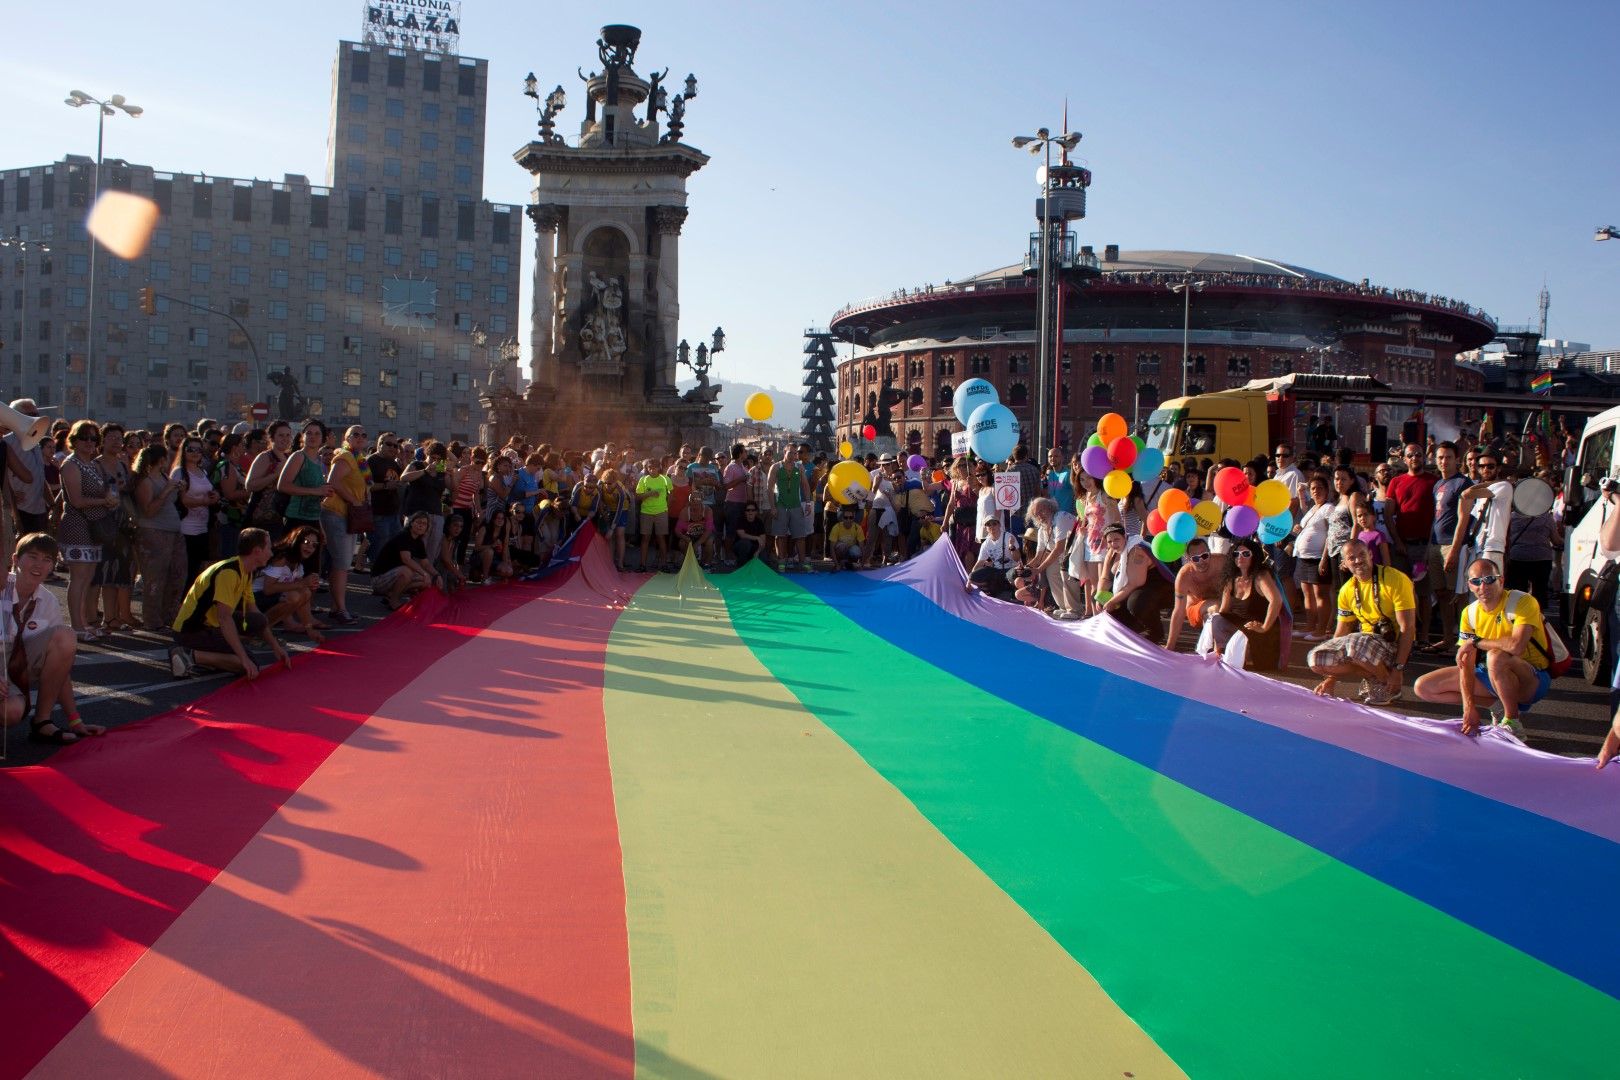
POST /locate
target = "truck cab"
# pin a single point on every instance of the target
(1232, 424)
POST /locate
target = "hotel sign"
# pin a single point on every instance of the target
(424, 25)
(1412, 351)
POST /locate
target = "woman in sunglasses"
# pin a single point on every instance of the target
(1247, 629)
(87, 521)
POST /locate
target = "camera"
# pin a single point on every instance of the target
(1609, 485)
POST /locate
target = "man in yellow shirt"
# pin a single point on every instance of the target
(845, 539)
(219, 609)
(1377, 624)
(1502, 653)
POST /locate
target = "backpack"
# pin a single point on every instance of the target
(1557, 654)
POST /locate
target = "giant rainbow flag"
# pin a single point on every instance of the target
(823, 826)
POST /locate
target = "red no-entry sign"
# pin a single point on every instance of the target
(261, 411)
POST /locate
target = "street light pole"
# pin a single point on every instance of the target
(1042, 142)
(78, 99)
(1186, 289)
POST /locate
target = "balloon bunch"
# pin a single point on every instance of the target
(1251, 510)
(993, 430)
(1116, 457)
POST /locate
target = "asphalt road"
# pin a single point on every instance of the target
(125, 678)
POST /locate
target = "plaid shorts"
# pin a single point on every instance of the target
(1363, 648)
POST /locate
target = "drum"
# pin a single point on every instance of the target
(1532, 497)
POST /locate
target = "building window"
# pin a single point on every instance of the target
(1102, 363)
(1237, 367)
(463, 175)
(198, 336)
(351, 376)
(427, 170)
(427, 140)
(424, 379)
(242, 203)
(315, 312)
(428, 258)
(463, 290)
(430, 111)
(157, 400)
(157, 367)
(317, 250)
(944, 395)
(430, 76)
(459, 380)
(1200, 365)
(393, 214)
(276, 340)
(430, 217)
(351, 344)
(280, 207)
(351, 407)
(240, 275)
(314, 343)
(202, 240)
(357, 253)
(467, 80)
(979, 365)
(202, 199)
(354, 285)
(359, 66)
(359, 103)
(199, 273)
(386, 409)
(391, 168)
(498, 264)
(464, 145)
(1147, 363)
(1147, 395)
(197, 369)
(387, 377)
(464, 261)
(464, 220)
(424, 412)
(916, 398)
(500, 225)
(946, 365)
(157, 334)
(396, 71)
(316, 281)
(277, 309)
(1102, 395)
(315, 407)
(395, 108)
(278, 279)
(352, 314)
(318, 206)
(314, 374)
(1018, 394)
(357, 210)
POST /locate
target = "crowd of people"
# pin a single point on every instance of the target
(226, 537)
(1166, 278)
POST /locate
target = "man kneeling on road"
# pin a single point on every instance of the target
(400, 567)
(219, 609)
(1376, 628)
(39, 647)
(1502, 653)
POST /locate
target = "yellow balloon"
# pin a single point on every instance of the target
(1270, 498)
(1117, 484)
(845, 450)
(845, 479)
(759, 406)
(1208, 516)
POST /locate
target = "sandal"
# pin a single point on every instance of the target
(56, 736)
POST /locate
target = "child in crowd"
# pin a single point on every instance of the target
(1369, 532)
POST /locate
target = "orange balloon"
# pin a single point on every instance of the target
(939, 476)
(1111, 426)
(1173, 501)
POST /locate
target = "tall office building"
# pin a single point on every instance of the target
(389, 294)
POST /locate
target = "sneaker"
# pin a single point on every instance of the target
(1379, 695)
(1509, 724)
(343, 618)
(182, 664)
(1366, 690)
(1067, 616)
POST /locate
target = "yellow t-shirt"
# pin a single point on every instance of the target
(1389, 591)
(353, 481)
(223, 583)
(846, 534)
(1516, 609)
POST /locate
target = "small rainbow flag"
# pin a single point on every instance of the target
(1541, 383)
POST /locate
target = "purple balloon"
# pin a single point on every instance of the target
(1242, 520)
(1094, 459)
(916, 463)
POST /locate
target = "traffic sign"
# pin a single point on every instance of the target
(260, 411)
(1009, 494)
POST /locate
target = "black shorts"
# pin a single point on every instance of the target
(209, 638)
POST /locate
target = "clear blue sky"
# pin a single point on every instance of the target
(857, 148)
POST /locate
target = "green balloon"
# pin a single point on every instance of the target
(1095, 440)
(1166, 549)
(1140, 445)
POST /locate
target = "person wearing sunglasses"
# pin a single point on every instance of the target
(1484, 513)
(1503, 654)
(1247, 630)
(1198, 588)
(1374, 635)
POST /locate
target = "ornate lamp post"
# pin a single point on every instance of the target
(1042, 142)
(1607, 232)
(111, 107)
(555, 102)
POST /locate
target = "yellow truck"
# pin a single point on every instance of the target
(1239, 424)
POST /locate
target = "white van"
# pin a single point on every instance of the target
(1584, 511)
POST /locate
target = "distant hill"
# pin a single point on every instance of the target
(733, 394)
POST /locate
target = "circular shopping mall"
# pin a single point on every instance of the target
(1244, 318)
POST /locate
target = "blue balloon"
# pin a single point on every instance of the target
(993, 431)
(1182, 526)
(1149, 464)
(1276, 528)
(969, 396)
